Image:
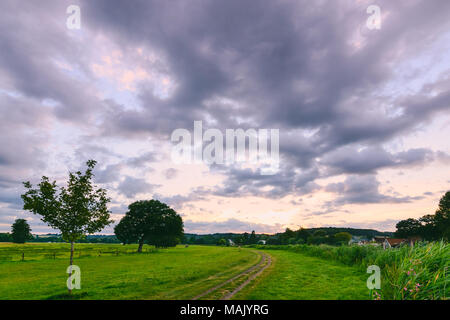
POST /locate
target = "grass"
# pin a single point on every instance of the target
(407, 273)
(300, 277)
(175, 273)
(110, 271)
(43, 251)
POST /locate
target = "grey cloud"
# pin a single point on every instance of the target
(289, 68)
(171, 173)
(111, 173)
(142, 160)
(351, 160)
(362, 190)
(279, 64)
(131, 187)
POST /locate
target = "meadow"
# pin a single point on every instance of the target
(295, 276)
(116, 271)
(112, 271)
(407, 273)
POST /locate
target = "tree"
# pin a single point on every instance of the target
(125, 231)
(444, 203)
(76, 210)
(442, 217)
(430, 227)
(408, 228)
(319, 233)
(342, 237)
(151, 222)
(21, 231)
(252, 239)
(286, 235)
(245, 238)
(427, 228)
(302, 234)
(222, 242)
(5, 237)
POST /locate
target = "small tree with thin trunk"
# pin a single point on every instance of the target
(76, 210)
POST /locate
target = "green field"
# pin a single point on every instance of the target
(299, 277)
(116, 272)
(176, 273)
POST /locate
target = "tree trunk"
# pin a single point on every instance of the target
(141, 244)
(71, 263)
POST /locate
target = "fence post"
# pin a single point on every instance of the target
(23, 256)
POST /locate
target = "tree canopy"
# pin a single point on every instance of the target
(21, 231)
(78, 209)
(151, 222)
(429, 227)
(342, 237)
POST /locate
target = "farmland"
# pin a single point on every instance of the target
(111, 271)
(115, 272)
(197, 272)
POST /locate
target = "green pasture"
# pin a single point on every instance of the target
(299, 277)
(117, 273)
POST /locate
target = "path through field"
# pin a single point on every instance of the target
(227, 289)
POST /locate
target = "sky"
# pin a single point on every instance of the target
(363, 113)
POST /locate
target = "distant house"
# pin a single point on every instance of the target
(262, 242)
(395, 242)
(392, 242)
(359, 240)
(413, 240)
(230, 242)
(380, 239)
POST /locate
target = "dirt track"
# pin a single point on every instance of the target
(253, 272)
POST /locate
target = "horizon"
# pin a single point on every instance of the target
(203, 234)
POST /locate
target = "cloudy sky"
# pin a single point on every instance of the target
(363, 114)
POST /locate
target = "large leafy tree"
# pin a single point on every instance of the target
(126, 230)
(21, 231)
(151, 222)
(78, 209)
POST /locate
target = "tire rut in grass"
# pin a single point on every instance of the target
(236, 283)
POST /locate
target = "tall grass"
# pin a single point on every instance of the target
(407, 273)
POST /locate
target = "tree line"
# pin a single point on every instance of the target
(307, 236)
